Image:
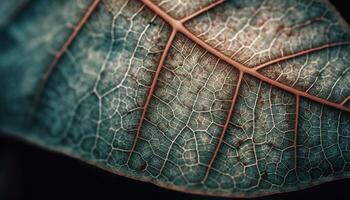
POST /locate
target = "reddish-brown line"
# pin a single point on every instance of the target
(345, 100)
(176, 24)
(170, 20)
(225, 127)
(300, 53)
(65, 46)
(180, 28)
(296, 123)
(151, 91)
(255, 74)
(200, 11)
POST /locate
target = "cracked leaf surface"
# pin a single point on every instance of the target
(247, 98)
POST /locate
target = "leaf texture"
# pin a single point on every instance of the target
(226, 98)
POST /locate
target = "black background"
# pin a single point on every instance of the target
(29, 172)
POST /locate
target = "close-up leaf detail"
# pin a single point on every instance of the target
(236, 98)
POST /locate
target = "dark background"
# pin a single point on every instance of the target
(29, 172)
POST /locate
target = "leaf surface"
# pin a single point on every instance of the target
(234, 98)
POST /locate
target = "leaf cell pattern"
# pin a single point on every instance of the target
(226, 98)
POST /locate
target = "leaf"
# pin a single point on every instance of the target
(236, 98)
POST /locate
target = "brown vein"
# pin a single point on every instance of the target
(177, 25)
(255, 74)
(90, 9)
(150, 92)
(225, 127)
(300, 53)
